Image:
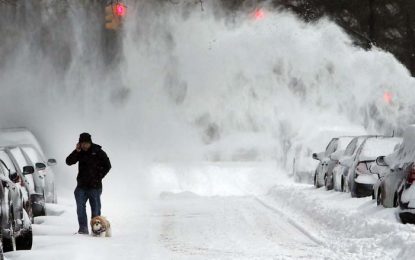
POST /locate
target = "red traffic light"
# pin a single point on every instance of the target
(120, 9)
(388, 97)
(258, 14)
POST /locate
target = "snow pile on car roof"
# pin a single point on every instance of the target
(377, 146)
(316, 141)
(406, 151)
(17, 136)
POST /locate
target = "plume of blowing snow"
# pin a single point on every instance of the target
(195, 84)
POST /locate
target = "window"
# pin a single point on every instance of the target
(332, 146)
(7, 161)
(3, 169)
(351, 147)
(19, 157)
(33, 155)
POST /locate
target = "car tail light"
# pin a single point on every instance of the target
(361, 168)
(411, 174)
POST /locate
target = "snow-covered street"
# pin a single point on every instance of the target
(267, 221)
(211, 113)
(231, 227)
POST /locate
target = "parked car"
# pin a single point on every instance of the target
(385, 190)
(24, 149)
(402, 176)
(360, 179)
(44, 177)
(16, 229)
(406, 195)
(36, 200)
(323, 173)
(392, 170)
(304, 144)
(341, 170)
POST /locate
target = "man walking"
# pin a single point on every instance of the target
(93, 165)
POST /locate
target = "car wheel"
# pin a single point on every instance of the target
(352, 189)
(326, 182)
(29, 211)
(342, 186)
(9, 242)
(38, 205)
(25, 240)
(379, 197)
(39, 211)
(395, 200)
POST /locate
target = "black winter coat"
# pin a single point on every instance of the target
(93, 165)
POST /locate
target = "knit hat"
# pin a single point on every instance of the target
(85, 137)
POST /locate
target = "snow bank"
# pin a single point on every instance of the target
(354, 228)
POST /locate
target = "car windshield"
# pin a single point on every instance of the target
(33, 155)
(351, 147)
(332, 146)
(19, 157)
(343, 142)
(3, 169)
(6, 159)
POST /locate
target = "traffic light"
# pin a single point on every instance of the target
(120, 10)
(114, 14)
(258, 14)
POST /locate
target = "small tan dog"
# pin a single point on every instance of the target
(101, 227)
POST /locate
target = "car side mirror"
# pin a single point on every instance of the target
(318, 156)
(28, 170)
(52, 162)
(40, 166)
(381, 161)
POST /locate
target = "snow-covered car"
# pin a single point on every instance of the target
(301, 147)
(327, 161)
(360, 179)
(44, 177)
(406, 195)
(385, 190)
(340, 170)
(25, 150)
(36, 200)
(16, 229)
(394, 169)
(334, 158)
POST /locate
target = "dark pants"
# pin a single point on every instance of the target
(82, 196)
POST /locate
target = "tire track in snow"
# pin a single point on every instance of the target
(234, 227)
(303, 230)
